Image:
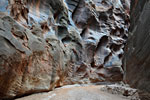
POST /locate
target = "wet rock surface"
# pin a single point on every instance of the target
(46, 44)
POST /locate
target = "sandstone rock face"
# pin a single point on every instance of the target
(137, 58)
(50, 43)
(103, 27)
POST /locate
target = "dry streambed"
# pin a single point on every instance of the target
(87, 92)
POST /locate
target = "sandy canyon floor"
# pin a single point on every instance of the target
(86, 92)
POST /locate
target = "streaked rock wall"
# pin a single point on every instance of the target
(137, 53)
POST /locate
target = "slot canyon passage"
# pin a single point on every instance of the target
(74, 49)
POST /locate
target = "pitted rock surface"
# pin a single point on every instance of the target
(50, 43)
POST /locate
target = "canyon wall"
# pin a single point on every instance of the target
(50, 43)
(137, 52)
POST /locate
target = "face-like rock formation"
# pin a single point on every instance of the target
(50, 43)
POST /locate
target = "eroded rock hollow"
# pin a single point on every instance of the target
(50, 43)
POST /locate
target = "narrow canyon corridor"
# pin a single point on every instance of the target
(74, 49)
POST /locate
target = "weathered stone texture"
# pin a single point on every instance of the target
(50, 43)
